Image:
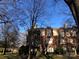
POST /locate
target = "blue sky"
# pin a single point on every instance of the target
(55, 16)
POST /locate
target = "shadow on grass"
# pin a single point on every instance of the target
(39, 56)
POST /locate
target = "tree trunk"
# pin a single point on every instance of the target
(74, 9)
(5, 46)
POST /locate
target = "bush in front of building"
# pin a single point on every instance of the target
(24, 50)
(77, 50)
(59, 51)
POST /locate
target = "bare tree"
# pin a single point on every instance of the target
(9, 34)
(35, 11)
(7, 22)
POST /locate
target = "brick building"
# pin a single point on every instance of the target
(52, 38)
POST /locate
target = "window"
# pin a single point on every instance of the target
(55, 33)
(51, 41)
(48, 33)
(43, 33)
(67, 34)
(62, 34)
(62, 41)
(74, 33)
(71, 41)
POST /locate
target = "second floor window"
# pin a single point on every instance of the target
(43, 33)
(67, 34)
(74, 33)
(62, 34)
(48, 33)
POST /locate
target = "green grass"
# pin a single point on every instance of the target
(40, 56)
(59, 57)
(3, 57)
(9, 56)
(12, 56)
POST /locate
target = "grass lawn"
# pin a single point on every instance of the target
(64, 57)
(15, 56)
(9, 56)
(3, 57)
